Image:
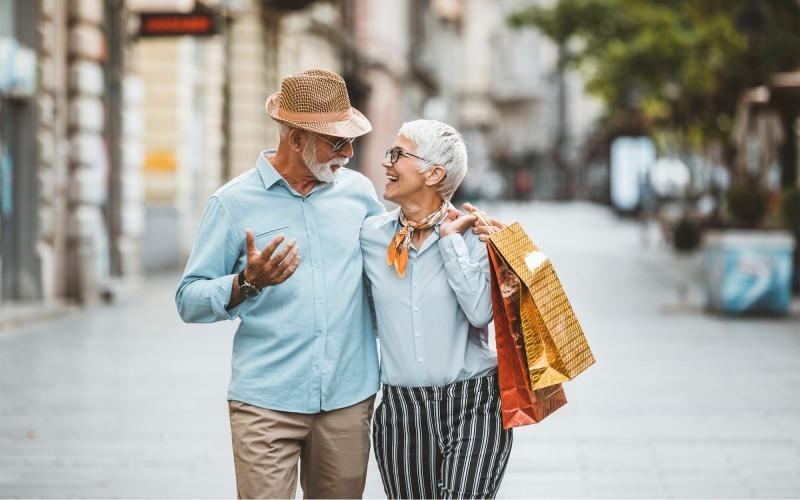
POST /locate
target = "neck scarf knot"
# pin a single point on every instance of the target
(397, 255)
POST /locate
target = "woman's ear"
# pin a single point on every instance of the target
(434, 175)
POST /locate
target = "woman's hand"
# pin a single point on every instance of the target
(456, 222)
(481, 228)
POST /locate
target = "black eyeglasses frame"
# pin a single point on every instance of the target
(396, 152)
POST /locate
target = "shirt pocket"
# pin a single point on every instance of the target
(282, 293)
(265, 236)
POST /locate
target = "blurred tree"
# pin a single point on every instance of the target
(678, 65)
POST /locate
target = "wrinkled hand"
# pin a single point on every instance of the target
(264, 268)
(482, 230)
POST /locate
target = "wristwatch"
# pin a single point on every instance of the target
(246, 288)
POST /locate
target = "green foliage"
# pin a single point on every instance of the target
(790, 209)
(681, 64)
(747, 203)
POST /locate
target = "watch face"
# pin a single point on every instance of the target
(248, 290)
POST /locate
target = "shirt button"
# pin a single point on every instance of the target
(419, 359)
(416, 309)
(418, 334)
(415, 285)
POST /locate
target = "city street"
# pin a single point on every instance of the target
(127, 401)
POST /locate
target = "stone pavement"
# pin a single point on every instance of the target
(127, 401)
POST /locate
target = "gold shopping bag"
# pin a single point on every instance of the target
(520, 404)
(555, 345)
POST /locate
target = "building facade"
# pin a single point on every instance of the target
(71, 189)
(204, 98)
(460, 62)
(111, 142)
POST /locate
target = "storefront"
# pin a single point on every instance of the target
(19, 267)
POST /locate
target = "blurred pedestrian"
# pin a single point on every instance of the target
(437, 432)
(304, 366)
(523, 184)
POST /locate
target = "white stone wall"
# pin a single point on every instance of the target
(382, 37)
(132, 213)
(182, 81)
(52, 147)
(74, 164)
(165, 115)
(88, 249)
(211, 176)
(253, 78)
(265, 48)
(302, 47)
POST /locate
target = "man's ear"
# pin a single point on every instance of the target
(434, 175)
(296, 138)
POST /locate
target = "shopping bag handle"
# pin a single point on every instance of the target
(482, 216)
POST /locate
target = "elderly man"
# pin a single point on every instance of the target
(304, 367)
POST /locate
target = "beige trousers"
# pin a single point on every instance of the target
(332, 447)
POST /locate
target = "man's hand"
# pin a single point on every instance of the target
(264, 268)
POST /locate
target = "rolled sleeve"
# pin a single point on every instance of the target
(221, 296)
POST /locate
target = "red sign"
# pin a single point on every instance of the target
(194, 24)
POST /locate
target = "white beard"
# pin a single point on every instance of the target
(322, 171)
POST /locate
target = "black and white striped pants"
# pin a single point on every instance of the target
(441, 442)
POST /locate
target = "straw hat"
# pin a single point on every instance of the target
(317, 100)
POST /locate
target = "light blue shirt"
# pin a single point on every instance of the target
(431, 323)
(306, 344)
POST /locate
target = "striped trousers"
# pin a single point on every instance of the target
(441, 442)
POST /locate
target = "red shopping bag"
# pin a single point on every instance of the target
(520, 405)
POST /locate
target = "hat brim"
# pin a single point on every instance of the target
(355, 126)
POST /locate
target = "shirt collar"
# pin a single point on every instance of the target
(269, 175)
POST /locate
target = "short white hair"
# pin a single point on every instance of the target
(442, 145)
(283, 129)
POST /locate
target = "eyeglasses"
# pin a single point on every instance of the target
(395, 153)
(339, 145)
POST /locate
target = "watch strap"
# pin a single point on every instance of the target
(243, 281)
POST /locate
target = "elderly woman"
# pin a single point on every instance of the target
(437, 432)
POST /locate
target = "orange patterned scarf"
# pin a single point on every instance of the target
(397, 255)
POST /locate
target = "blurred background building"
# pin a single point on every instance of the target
(71, 143)
(120, 117)
(650, 148)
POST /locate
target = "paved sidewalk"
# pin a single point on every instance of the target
(680, 403)
(127, 401)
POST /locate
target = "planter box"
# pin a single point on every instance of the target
(749, 271)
